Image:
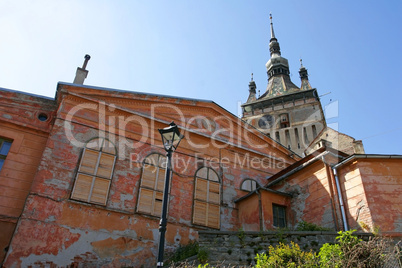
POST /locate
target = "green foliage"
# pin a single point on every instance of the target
(241, 235)
(286, 256)
(307, 226)
(352, 251)
(280, 236)
(202, 255)
(330, 256)
(184, 252)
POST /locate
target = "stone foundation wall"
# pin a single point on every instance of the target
(240, 248)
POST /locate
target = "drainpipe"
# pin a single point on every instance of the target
(332, 194)
(338, 188)
(260, 210)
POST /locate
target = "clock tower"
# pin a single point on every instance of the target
(291, 115)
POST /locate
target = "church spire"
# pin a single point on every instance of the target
(272, 27)
(273, 43)
(279, 82)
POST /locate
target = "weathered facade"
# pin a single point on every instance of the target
(82, 175)
(333, 190)
(96, 195)
(97, 181)
(25, 123)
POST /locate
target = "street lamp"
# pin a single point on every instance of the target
(171, 138)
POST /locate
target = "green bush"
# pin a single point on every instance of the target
(184, 252)
(307, 226)
(330, 256)
(202, 256)
(286, 256)
(352, 251)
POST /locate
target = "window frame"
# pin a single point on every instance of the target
(198, 202)
(278, 219)
(95, 178)
(257, 185)
(4, 156)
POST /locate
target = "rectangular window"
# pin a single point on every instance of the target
(279, 216)
(5, 146)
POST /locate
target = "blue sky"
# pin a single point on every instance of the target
(208, 49)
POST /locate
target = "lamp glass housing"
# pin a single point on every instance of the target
(171, 137)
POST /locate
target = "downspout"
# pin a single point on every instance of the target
(338, 188)
(260, 210)
(332, 194)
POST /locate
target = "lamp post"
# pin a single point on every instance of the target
(171, 138)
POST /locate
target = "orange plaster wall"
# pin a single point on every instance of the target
(267, 200)
(354, 196)
(249, 215)
(377, 202)
(311, 201)
(16, 176)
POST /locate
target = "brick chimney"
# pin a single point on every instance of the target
(82, 73)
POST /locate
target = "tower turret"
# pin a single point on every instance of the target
(252, 89)
(305, 84)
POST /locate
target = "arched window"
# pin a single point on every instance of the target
(249, 185)
(284, 120)
(314, 131)
(152, 184)
(94, 174)
(207, 196)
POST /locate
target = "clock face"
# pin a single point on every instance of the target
(265, 122)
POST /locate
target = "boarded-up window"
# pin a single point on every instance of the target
(206, 209)
(5, 146)
(95, 172)
(152, 185)
(249, 185)
(279, 213)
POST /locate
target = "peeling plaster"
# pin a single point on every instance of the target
(81, 247)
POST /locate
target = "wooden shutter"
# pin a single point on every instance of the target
(82, 187)
(89, 161)
(152, 185)
(161, 179)
(148, 176)
(100, 191)
(145, 201)
(158, 203)
(206, 209)
(214, 191)
(201, 189)
(93, 180)
(105, 166)
(200, 213)
(214, 215)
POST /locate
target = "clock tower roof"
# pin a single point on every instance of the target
(279, 82)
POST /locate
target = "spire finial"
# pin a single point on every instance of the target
(251, 76)
(301, 63)
(272, 26)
